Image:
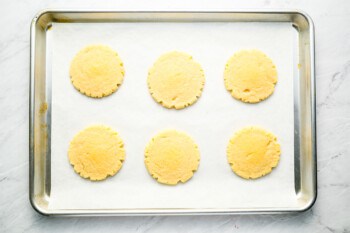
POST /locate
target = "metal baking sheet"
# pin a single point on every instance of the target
(211, 37)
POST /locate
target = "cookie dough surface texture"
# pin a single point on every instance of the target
(97, 71)
(96, 153)
(250, 76)
(176, 80)
(171, 156)
(253, 152)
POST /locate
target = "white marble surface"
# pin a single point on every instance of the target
(331, 213)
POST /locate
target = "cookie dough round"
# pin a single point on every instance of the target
(250, 76)
(97, 71)
(96, 152)
(253, 152)
(176, 80)
(172, 156)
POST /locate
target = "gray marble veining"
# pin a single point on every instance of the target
(331, 212)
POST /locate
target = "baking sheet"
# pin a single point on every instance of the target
(133, 113)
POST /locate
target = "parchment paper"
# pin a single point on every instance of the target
(133, 113)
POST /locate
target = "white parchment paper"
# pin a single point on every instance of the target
(133, 113)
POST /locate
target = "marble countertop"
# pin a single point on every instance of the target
(331, 213)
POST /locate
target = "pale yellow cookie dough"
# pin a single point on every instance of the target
(250, 76)
(96, 153)
(97, 71)
(176, 80)
(172, 156)
(253, 152)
